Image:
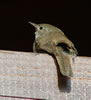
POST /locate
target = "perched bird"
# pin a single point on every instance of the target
(52, 40)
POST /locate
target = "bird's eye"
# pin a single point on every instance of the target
(41, 28)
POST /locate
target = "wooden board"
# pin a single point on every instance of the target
(32, 75)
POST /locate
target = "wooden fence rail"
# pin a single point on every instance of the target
(31, 75)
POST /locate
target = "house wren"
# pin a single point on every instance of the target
(52, 40)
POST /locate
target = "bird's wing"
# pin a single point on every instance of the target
(62, 58)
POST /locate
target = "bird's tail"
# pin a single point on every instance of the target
(64, 62)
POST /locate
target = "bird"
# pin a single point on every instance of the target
(52, 40)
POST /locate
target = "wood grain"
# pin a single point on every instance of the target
(33, 75)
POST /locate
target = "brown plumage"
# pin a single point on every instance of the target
(52, 40)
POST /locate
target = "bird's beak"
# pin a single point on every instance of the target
(35, 25)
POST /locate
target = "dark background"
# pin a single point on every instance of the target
(72, 16)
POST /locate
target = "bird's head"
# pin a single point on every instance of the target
(42, 29)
